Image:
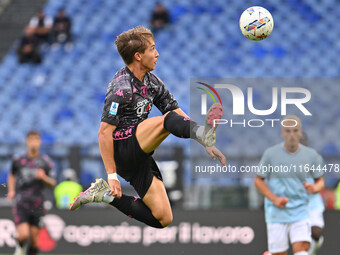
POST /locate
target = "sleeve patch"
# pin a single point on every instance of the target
(114, 108)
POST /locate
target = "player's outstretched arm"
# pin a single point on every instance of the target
(106, 150)
(214, 152)
(316, 187)
(41, 175)
(263, 188)
(11, 186)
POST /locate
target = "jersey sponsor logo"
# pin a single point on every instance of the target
(122, 133)
(28, 174)
(143, 106)
(114, 108)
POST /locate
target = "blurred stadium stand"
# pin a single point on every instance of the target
(14, 16)
(63, 97)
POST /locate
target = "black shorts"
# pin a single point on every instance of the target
(28, 213)
(134, 165)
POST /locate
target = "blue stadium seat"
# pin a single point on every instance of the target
(201, 41)
(330, 149)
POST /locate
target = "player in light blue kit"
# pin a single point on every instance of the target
(316, 209)
(283, 181)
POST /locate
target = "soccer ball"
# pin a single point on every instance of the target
(256, 23)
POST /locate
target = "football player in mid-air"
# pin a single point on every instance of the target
(127, 138)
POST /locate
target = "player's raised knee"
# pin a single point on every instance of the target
(164, 217)
(166, 220)
(22, 237)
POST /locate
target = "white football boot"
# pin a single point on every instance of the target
(212, 118)
(93, 194)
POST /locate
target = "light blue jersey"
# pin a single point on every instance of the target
(290, 183)
(315, 200)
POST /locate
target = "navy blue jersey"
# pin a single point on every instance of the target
(28, 187)
(128, 101)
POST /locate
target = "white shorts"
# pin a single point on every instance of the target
(316, 218)
(278, 234)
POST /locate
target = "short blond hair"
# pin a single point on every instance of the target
(33, 133)
(294, 117)
(132, 41)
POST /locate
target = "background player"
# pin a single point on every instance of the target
(287, 201)
(129, 99)
(316, 209)
(26, 181)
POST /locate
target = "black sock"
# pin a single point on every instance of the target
(32, 250)
(21, 243)
(135, 208)
(180, 126)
